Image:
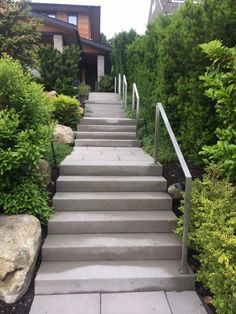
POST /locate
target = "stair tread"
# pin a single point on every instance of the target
(122, 240)
(112, 215)
(111, 178)
(65, 271)
(112, 195)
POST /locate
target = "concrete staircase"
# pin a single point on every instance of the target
(112, 227)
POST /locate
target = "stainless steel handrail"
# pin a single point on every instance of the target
(115, 84)
(124, 91)
(135, 99)
(188, 178)
(119, 85)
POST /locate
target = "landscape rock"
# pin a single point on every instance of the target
(176, 191)
(63, 135)
(52, 94)
(20, 240)
(45, 169)
(81, 109)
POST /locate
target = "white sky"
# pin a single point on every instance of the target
(116, 15)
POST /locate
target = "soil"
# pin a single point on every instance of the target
(173, 173)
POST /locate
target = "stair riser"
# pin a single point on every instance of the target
(111, 143)
(79, 227)
(105, 128)
(113, 170)
(112, 204)
(103, 135)
(63, 254)
(101, 121)
(114, 285)
(98, 186)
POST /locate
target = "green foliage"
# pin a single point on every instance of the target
(27, 197)
(213, 235)
(220, 81)
(120, 43)
(61, 151)
(83, 92)
(18, 35)
(166, 64)
(25, 130)
(66, 110)
(106, 83)
(59, 71)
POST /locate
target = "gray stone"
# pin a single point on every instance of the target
(45, 169)
(63, 135)
(135, 303)
(66, 304)
(185, 302)
(20, 239)
(175, 193)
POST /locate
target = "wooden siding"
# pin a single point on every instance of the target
(84, 26)
(61, 16)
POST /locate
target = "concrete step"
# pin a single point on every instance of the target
(70, 201)
(106, 135)
(111, 184)
(107, 143)
(106, 128)
(111, 222)
(83, 168)
(109, 246)
(111, 276)
(107, 121)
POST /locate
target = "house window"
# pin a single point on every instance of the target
(53, 15)
(72, 19)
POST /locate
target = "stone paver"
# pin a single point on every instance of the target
(185, 302)
(66, 304)
(135, 303)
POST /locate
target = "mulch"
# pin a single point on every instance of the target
(173, 173)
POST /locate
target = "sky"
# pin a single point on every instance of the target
(116, 15)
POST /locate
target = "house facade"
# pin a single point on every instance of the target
(64, 25)
(158, 7)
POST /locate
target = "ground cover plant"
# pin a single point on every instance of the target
(25, 130)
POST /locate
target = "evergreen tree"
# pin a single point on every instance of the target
(18, 35)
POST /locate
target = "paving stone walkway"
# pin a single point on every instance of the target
(112, 231)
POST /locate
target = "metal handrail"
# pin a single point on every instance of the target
(124, 91)
(115, 84)
(188, 178)
(119, 85)
(135, 100)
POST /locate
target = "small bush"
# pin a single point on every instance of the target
(106, 83)
(83, 92)
(27, 197)
(66, 110)
(61, 151)
(213, 235)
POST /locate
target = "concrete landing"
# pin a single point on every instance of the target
(186, 302)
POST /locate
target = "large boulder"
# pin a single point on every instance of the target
(63, 135)
(20, 240)
(46, 170)
(176, 190)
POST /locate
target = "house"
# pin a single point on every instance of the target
(64, 24)
(163, 7)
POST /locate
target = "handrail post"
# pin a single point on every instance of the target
(137, 116)
(133, 100)
(119, 85)
(187, 204)
(157, 135)
(115, 84)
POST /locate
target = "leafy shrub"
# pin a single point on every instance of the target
(25, 130)
(27, 197)
(106, 83)
(66, 110)
(60, 71)
(220, 81)
(213, 235)
(83, 92)
(61, 151)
